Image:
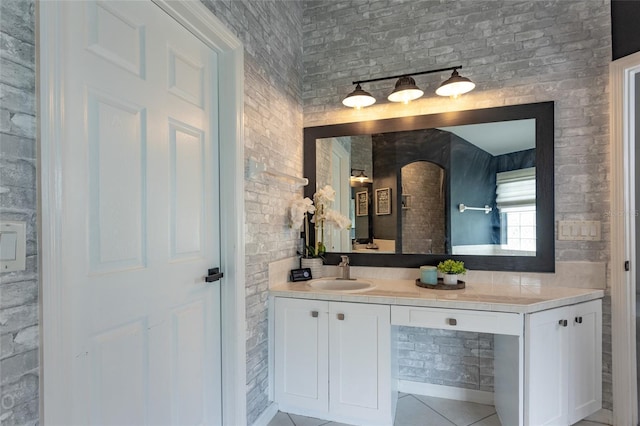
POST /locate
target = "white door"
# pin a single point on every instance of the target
(140, 225)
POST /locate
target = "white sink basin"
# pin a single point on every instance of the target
(345, 286)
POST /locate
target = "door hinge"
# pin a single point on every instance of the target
(627, 265)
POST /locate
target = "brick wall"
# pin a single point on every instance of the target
(323, 162)
(361, 151)
(18, 290)
(515, 51)
(271, 32)
(445, 357)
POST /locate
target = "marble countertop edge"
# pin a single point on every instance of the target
(481, 297)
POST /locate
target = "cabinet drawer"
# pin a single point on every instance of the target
(457, 319)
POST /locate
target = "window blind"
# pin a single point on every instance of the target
(516, 189)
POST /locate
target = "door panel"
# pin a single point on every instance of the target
(546, 386)
(110, 403)
(112, 35)
(186, 78)
(117, 201)
(359, 360)
(585, 392)
(187, 157)
(140, 187)
(189, 362)
(301, 367)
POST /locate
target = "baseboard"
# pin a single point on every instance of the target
(602, 416)
(267, 415)
(449, 392)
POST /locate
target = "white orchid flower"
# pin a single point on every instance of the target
(297, 210)
(333, 216)
(325, 195)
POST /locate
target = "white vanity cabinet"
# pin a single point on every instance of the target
(563, 364)
(337, 360)
(333, 360)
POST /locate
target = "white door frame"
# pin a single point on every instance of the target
(622, 74)
(196, 18)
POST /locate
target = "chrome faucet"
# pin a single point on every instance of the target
(344, 266)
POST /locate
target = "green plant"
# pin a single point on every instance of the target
(451, 266)
(311, 252)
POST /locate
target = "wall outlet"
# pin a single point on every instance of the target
(579, 230)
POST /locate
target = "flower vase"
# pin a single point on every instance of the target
(315, 264)
(450, 279)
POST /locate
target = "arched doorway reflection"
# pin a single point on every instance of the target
(423, 208)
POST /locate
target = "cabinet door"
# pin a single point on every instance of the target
(546, 371)
(301, 354)
(360, 362)
(585, 361)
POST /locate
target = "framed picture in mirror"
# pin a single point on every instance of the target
(362, 203)
(383, 201)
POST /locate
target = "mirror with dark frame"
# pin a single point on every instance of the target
(472, 185)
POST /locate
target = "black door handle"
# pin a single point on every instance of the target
(214, 275)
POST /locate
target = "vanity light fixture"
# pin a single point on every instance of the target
(360, 177)
(359, 98)
(406, 89)
(455, 86)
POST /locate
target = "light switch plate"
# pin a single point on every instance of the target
(579, 230)
(13, 246)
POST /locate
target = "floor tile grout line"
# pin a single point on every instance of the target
(484, 418)
(434, 410)
(470, 424)
(421, 402)
(289, 415)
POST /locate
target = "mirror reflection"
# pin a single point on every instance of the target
(464, 190)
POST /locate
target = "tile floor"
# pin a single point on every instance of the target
(418, 410)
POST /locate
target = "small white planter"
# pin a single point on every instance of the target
(450, 279)
(315, 264)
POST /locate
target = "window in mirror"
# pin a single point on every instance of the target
(516, 201)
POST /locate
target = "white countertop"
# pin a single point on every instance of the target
(482, 297)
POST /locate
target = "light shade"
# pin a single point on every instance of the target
(361, 176)
(455, 85)
(405, 90)
(359, 98)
